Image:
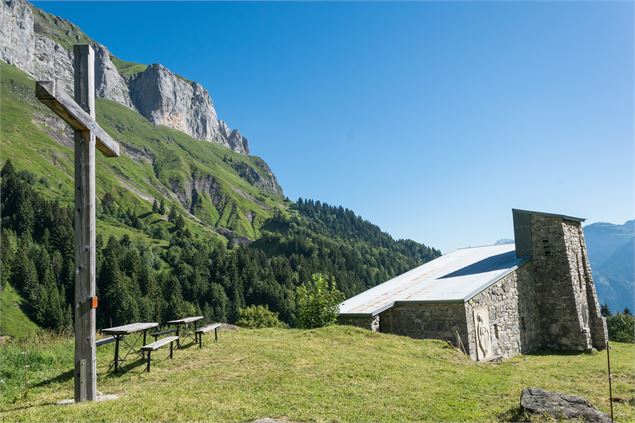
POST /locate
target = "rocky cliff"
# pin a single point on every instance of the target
(41, 45)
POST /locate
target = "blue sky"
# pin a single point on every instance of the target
(429, 119)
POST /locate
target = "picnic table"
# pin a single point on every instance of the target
(184, 323)
(120, 333)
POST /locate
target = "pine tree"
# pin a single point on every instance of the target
(173, 214)
(179, 222)
(26, 276)
(218, 303)
(8, 252)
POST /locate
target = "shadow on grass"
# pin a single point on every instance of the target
(188, 345)
(546, 352)
(68, 375)
(63, 377)
(131, 363)
(513, 414)
(26, 407)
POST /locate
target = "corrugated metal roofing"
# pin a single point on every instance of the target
(560, 216)
(454, 277)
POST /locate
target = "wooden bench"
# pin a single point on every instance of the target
(158, 344)
(163, 332)
(205, 329)
(104, 341)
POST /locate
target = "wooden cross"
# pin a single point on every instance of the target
(80, 115)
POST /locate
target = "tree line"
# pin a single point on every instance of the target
(144, 281)
(620, 325)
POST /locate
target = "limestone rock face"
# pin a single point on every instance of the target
(165, 99)
(158, 94)
(235, 140)
(560, 406)
(108, 81)
(52, 62)
(16, 34)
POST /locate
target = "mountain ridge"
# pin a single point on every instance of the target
(612, 255)
(40, 44)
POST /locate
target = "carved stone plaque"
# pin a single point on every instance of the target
(483, 335)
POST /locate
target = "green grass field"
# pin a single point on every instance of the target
(331, 374)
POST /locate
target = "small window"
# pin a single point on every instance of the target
(496, 330)
(546, 248)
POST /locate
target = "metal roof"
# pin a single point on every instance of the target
(561, 216)
(454, 277)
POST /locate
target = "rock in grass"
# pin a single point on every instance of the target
(560, 406)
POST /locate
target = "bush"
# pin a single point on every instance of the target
(317, 302)
(255, 317)
(621, 327)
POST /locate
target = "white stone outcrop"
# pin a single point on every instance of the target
(108, 81)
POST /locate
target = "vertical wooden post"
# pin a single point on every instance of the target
(608, 360)
(85, 390)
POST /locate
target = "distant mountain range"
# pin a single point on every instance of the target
(612, 256)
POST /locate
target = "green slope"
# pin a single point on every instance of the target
(331, 374)
(205, 180)
(13, 322)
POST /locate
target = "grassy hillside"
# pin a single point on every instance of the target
(214, 186)
(330, 374)
(13, 321)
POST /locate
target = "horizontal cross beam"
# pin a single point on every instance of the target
(65, 107)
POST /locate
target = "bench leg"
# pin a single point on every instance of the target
(215, 334)
(200, 341)
(148, 365)
(116, 353)
(171, 349)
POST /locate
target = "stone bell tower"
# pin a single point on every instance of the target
(570, 316)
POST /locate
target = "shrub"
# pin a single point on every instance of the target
(621, 327)
(258, 316)
(317, 302)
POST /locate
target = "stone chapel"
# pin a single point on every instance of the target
(495, 301)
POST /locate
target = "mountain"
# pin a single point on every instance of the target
(187, 220)
(40, 44)
(157, 116)
(612, 255)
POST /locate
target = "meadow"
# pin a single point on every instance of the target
(330, 374)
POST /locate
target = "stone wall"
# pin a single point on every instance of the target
(364, 322)
(567, 301)
(592, 323)
(426, 320)
(512, 313)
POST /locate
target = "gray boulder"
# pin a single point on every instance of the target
(560, 406)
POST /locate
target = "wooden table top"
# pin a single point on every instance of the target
(130, 328)
(185, 320)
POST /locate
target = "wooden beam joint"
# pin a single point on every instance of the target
(49, 93)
